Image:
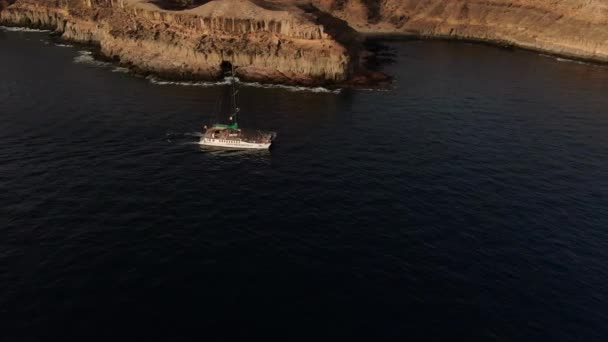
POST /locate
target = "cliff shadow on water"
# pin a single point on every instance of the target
(378, 45)
(363, 65)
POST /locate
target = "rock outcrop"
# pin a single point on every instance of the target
(570, 28)
(286, 44)
(304, 41)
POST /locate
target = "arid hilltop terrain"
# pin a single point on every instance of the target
(304, 41)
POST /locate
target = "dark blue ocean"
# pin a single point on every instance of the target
(468, 202)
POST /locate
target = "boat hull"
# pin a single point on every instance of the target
(237, 144)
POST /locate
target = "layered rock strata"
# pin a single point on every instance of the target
(571, 28)
(285, 44)
(304, 41)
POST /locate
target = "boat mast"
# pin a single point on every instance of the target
(235, 106)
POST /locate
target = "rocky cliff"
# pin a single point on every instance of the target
(304, 41)
(287, 44)
(571, 28)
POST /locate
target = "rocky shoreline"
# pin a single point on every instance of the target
(389, 37)
(311, 43)
(279, 46)
(573, 29)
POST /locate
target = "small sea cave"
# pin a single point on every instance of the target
(226, 68)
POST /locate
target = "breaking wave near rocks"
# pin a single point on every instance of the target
(86, 57)
(227, 80)
(21, 29)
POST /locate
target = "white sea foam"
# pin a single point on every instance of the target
(568, 60)
(291, 88)
(559, 59)
(159, 81)
(86, 57)
(380, 90)
(85, 53)
(21, 29)
(121, 70)
(227, 80)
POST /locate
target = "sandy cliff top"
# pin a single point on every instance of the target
(237, 9)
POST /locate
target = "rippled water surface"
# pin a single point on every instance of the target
(470, 201)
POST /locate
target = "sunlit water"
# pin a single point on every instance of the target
(470, 201)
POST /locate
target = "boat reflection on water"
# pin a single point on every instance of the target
(233, 152)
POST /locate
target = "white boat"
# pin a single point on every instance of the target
(231, 135)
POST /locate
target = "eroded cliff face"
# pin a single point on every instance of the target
(573, 28)
(305, 41)
(285, 45)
